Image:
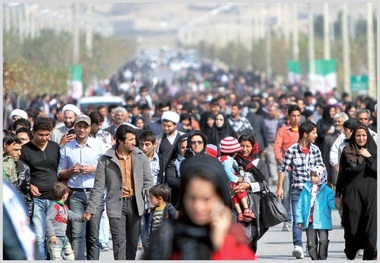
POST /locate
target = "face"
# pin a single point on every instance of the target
(294, 118)
(154, 200)
(332, 112)
(82, 130)
(14, 150)
(41, 137)
(135, 111)
(361, 137)
(215, 108)
(140, 123)
(197, 144)
(103, 111)
(301, 104)
(128, 145)
(119, 117)
(199, 200)
(147, 147)
(210, 122)
(183, 146)
(219, 120)
(246, 148)
(112, 115)
(95, 127)
(235, 111)
(272, 112)
(311, 136)
(162, 110)
(186, 122)
(168, 127)
(314, 178)
(23, 137)
(69, 119)
(363, 118)
(178, 109)
(338, 124)
(347, 132)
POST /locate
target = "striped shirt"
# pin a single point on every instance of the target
(158, 215)
(301, 163)
(155, 168)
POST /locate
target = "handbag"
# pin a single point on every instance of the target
(272, 212)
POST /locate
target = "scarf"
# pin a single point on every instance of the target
(253, 155)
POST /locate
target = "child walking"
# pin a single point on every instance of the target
(229, 147)
(313, 212)
(162, 210)
(56, 223)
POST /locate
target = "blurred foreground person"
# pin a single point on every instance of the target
(20, 240)
(204, 229)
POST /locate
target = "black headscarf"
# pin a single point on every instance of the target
(189, 152)
(218, 133)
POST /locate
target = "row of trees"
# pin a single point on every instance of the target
(41, 64)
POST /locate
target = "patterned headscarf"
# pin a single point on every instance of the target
(321, 172)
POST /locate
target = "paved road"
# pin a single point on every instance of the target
(277, 245)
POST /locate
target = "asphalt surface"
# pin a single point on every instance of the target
(277, 245)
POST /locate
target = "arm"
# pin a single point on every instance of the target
(228, 166)
(64, 170)
(171, 177)
(99, 185)
(50, 218)
(277, 146)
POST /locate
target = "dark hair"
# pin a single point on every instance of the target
(32, 113)
(111, 107)
(102, 106)
(246, 136)
(160, 190)
(293, 107)
(143, 88)
(306, 127)
(23, 122)
(308, 94)
(42, 124)
(58, 190)
(164, 105)
(236, 104)
(26, 130)
(184, 116)
(10, 138)
(122, 131)
(147, 136)
(351, 123)
(96, 117)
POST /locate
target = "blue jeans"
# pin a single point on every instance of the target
(85, 232)
(297, 233)
(286, 200)
(61, 250)
(39, 222)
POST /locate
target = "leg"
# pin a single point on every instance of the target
(55, 250)
(271, 162)
(118, 226)
(237, 208)
(67, 251)
(38, 222)
(286, 201)
(297, 233)
(132, 230)
(312, 241)
(92, 232)
(323, 244)
(77, 204)
(104, 230)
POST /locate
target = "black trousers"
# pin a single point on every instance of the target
(317, 242)
(125, 231)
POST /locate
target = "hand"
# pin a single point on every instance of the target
(364, 152)
(220, 225)
(53, 239)
(84, 169)
(280, 193)
(300, 226)
(87, 216)
(338, 202)
(336, 168)
(75, 169)
(34, 190)
(264, 152)
(66, 138)
(241, 187)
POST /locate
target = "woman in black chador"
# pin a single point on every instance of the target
(356, 193)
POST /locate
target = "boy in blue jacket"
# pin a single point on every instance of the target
(313, 212)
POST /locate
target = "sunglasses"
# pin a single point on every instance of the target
(196, 142)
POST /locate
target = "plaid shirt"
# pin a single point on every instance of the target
(241, 125)
(300, 163)
(155, 168)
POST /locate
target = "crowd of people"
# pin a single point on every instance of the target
(183, 178)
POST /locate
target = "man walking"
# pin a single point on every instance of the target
(124, 171)
(78, 162)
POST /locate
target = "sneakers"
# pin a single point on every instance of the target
(298, 252)
(139, 246)
(286, 227)
(249, 213)
(104, 247)
(243, 218)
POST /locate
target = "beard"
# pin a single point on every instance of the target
(69, 124)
